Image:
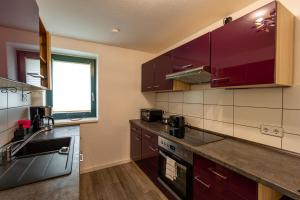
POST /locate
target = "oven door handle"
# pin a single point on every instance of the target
(177, 160)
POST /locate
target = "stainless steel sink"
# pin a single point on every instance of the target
(37, 161)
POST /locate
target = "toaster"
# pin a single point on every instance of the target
(151, 115)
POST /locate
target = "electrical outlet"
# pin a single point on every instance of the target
(271, 130)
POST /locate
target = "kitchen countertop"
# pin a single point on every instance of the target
(65, 187)
(274, 168)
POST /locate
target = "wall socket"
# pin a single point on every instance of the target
(271, 130)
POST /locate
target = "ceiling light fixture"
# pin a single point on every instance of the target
(115, 30)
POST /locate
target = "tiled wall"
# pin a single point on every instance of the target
(240, 112)
(12, 108)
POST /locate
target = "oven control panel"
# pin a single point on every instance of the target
(176, 149)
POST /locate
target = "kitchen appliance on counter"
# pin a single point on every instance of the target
(177, 126)
(165, 119)
(175, 168)
(40, 117)
(151, 115)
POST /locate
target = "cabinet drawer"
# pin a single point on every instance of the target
(204, 189)
(148, 136)
(231, 184)
(135, 128)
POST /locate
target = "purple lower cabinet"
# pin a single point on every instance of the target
(149, 159)
(215, 182)
(135, 143)
(243, 51)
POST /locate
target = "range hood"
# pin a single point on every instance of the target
(193, 76)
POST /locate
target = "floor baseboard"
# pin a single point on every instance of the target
(103, 166)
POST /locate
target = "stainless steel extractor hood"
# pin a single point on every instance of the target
(193, 76)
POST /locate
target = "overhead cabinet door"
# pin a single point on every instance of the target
(147, 76)
(192, 54)
(255, 49)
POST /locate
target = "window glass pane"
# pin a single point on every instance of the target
(33, 66)
(71, 87)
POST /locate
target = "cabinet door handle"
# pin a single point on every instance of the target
(221, 80)
(137, 138)
(81, 157)
(156, 86)
(185, 66)
(149, 87)
(217, 174)
(147, 136)
(152, 149)
(202, 182)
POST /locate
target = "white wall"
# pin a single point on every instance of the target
(107, 142)
(240, 113)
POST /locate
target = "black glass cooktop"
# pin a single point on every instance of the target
(194, 137)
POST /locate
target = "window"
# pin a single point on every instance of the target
(74, 87)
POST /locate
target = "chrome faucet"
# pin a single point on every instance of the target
(10, 150)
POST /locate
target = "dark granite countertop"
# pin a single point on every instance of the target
(65, 187)
(274, 168)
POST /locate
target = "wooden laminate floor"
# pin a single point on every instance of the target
(118, 183)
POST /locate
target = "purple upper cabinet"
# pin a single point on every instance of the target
(147, 76)
(243, 52)
(192, 54)
(162, 67)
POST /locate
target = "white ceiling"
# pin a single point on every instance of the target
(146, 25)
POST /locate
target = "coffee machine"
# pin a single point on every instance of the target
(41, 116)
(177, 126)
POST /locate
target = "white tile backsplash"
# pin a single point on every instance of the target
(291, 143)
(240, 112)
(175, 108)
(3, 100)
(291, 121)
(162, 105)
(15, 99)
(162, 96)
(254, 135)
(14, 114)
(219, 113)
(255, 117)
(193, 110)
(12, 108)
(3, 120)
(265, 97)
(291, 97)
(218, 97)
(220, 127)
(194, 121)
(195, 96)
(176, 97)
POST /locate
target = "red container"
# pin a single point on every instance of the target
(25, 123)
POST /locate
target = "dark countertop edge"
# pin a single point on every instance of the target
(57, 132)
(251, 176)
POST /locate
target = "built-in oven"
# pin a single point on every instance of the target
(175, 168)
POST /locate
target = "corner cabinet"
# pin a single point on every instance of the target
(255, 50)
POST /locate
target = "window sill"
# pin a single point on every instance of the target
(61, 122)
